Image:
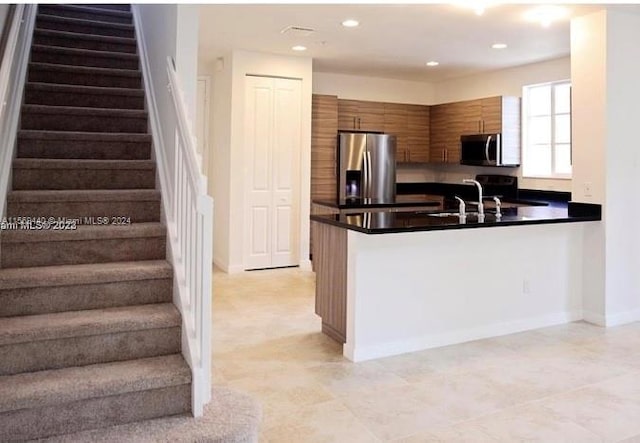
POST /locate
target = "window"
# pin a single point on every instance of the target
(546, 130)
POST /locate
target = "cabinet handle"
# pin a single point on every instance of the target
(443, 151)
(483, 126)
(359, 123)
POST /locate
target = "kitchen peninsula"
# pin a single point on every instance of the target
(394, 282)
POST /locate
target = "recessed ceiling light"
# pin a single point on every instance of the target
(499, 45)
(547, 14)
(299, 48)
(432, 63)
(350, 23)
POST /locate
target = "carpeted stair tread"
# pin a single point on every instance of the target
(58, 386)
(109, 6)
(81, 195)
(34, 134)
(30, 328)
(76, 110)
(83, 57)
(86, 232)
(95, 26)
(40, 163)
(97, 10)
(89, 70)
(127, 41)
(83, 145)
(231, 417)
(83, 89)
(66, 275)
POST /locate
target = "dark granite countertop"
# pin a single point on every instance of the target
(373, 203)
(390, 222)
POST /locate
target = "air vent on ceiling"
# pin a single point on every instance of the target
(297, 31)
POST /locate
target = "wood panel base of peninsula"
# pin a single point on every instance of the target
(330, 264)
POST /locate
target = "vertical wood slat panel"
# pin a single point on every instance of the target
(330, 258)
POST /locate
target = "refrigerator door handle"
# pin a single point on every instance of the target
(367, 166)
(365, 176)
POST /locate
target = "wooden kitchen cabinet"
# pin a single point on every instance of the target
(449, 121)
(324, 130)
(446, 125)
(418, 137)
(395, 122)
(360, 115)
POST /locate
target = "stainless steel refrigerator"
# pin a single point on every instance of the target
(366, 166)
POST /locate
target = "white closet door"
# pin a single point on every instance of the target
(272, 178)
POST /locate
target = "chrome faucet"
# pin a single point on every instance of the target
(480, 204)
(461, 210)
(498, 206)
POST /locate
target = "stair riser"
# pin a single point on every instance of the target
(87, 15)
(84, 79)
(83, 60)
(58, 179)
(138, 211)
(28, 424)
(18, 255)
(80, 351)
(43, 23)
(74, 98)
(83, 123)
(46, 300)
(118, 7)
(83, 149)
(83, 43)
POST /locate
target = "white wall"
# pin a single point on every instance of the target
(170, 31)
(227, 146)
(372, 88)
(501, 82)
(432, 306)
(159, 29)
(605, 68)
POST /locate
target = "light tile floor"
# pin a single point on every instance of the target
(573, 383)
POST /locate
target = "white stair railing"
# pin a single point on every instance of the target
(12, 78)
(190, 223)
(187, 209)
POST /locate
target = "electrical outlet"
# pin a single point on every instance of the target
(587, 189)
(526, 288)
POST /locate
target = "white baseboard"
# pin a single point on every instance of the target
(364, 353)
(593, 318)
(305, 265)
(622, 318)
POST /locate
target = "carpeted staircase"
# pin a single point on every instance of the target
(89, 336)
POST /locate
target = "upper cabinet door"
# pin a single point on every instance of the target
(395, 122)
(370, 116)
(471, 117)
(491, 115)
(418, 133)
(348, 115)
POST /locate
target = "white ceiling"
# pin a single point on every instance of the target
(392, 41)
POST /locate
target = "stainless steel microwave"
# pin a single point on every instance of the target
(487, 150)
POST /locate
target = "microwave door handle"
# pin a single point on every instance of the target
(486, 149)
(498, 150)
